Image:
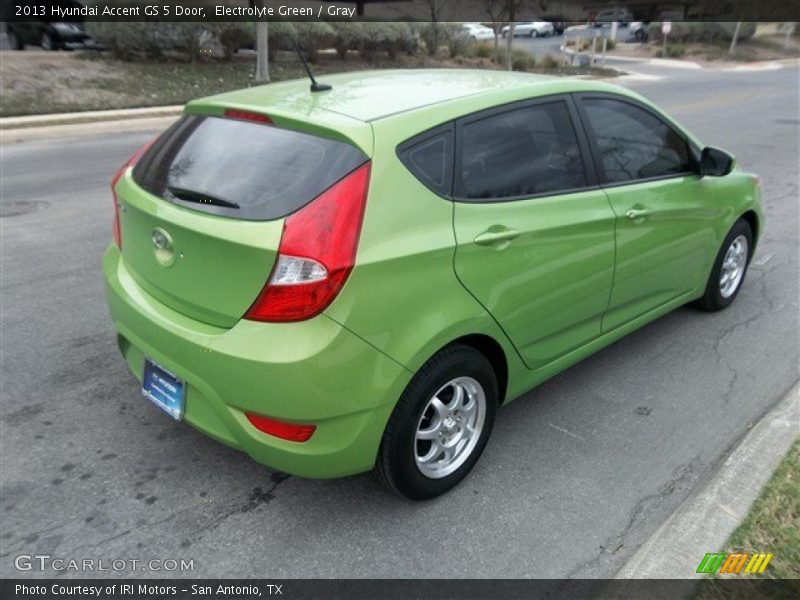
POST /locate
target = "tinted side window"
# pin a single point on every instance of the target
(633, 143)
(429, 157)
(522, 152)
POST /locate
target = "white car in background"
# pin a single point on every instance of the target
(638, 31)
(621, 15)
(530, 29)
(477, 32)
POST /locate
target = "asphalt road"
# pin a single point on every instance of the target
(578, 473)
(541, 46)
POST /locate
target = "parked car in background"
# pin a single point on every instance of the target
(530, 29)
(48, 35)
(478, 32)
(273, 290)
(638, 31)
(559, 23)
(621, 15)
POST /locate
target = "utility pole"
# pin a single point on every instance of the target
(735, 38)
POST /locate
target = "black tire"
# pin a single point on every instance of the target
(13, 41)
(47, 42)
(713, 299)
(396, 465)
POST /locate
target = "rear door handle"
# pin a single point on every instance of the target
(637, 213)
(496, 236)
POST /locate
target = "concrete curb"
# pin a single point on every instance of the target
(24, 134)
(92, 116)
(707, 518)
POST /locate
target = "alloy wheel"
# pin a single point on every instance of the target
(450, 427)
(733, 266)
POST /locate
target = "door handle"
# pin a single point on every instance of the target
(496, 236)
(637, 213)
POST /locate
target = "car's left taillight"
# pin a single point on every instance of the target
(116, 229)
(317, 253)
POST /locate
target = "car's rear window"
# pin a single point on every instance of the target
(241, 169)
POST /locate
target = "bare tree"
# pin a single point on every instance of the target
(511, 10)
(435, 10)
(496, 10)
(262, 45)
(735, 38)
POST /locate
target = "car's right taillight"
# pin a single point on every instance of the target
(316, 253)
(116, 229)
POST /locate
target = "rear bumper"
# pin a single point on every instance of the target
(309, 372)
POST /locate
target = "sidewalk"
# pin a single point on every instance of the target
(707, 518)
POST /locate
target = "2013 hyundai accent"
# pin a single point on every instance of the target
(358, 278)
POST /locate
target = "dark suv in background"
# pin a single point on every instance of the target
(47, 34)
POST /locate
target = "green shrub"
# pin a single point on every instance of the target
(520, 60)
(127, 40)
(482, 50)
(710, 32)
(437, 34)
(549, 62)
(314, 36)
(233, 36)
(458, 42)
(674, 51)
(391, 38)
(371, 37)
(610, 44)
(137, 40)
(280, 37)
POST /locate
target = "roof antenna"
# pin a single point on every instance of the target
(315, 87)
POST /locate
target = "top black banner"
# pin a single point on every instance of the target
(399, 10)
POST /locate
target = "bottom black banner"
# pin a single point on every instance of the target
(405, 589)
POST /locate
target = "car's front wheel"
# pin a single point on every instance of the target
(729, 269)
(441, 424)
(14, 41)
(47, 42)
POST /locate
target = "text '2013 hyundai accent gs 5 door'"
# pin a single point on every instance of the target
(358, 278)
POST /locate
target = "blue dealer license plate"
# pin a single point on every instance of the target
(163, 389)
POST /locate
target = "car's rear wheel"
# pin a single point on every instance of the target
(729, 269)
(534, 33)
(441, 424)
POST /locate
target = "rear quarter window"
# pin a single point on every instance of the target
(429, 157)
(242, 169)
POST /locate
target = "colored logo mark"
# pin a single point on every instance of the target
(734, 562)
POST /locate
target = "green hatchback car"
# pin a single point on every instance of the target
(358, 278)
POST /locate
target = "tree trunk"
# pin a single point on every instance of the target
(262, 52)
(509, 45)
(735, 38)
(512, 16)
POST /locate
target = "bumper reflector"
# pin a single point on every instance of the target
(280, 429)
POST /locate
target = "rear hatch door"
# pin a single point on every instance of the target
(202, 211)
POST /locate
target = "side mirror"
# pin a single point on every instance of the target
(715, 162)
